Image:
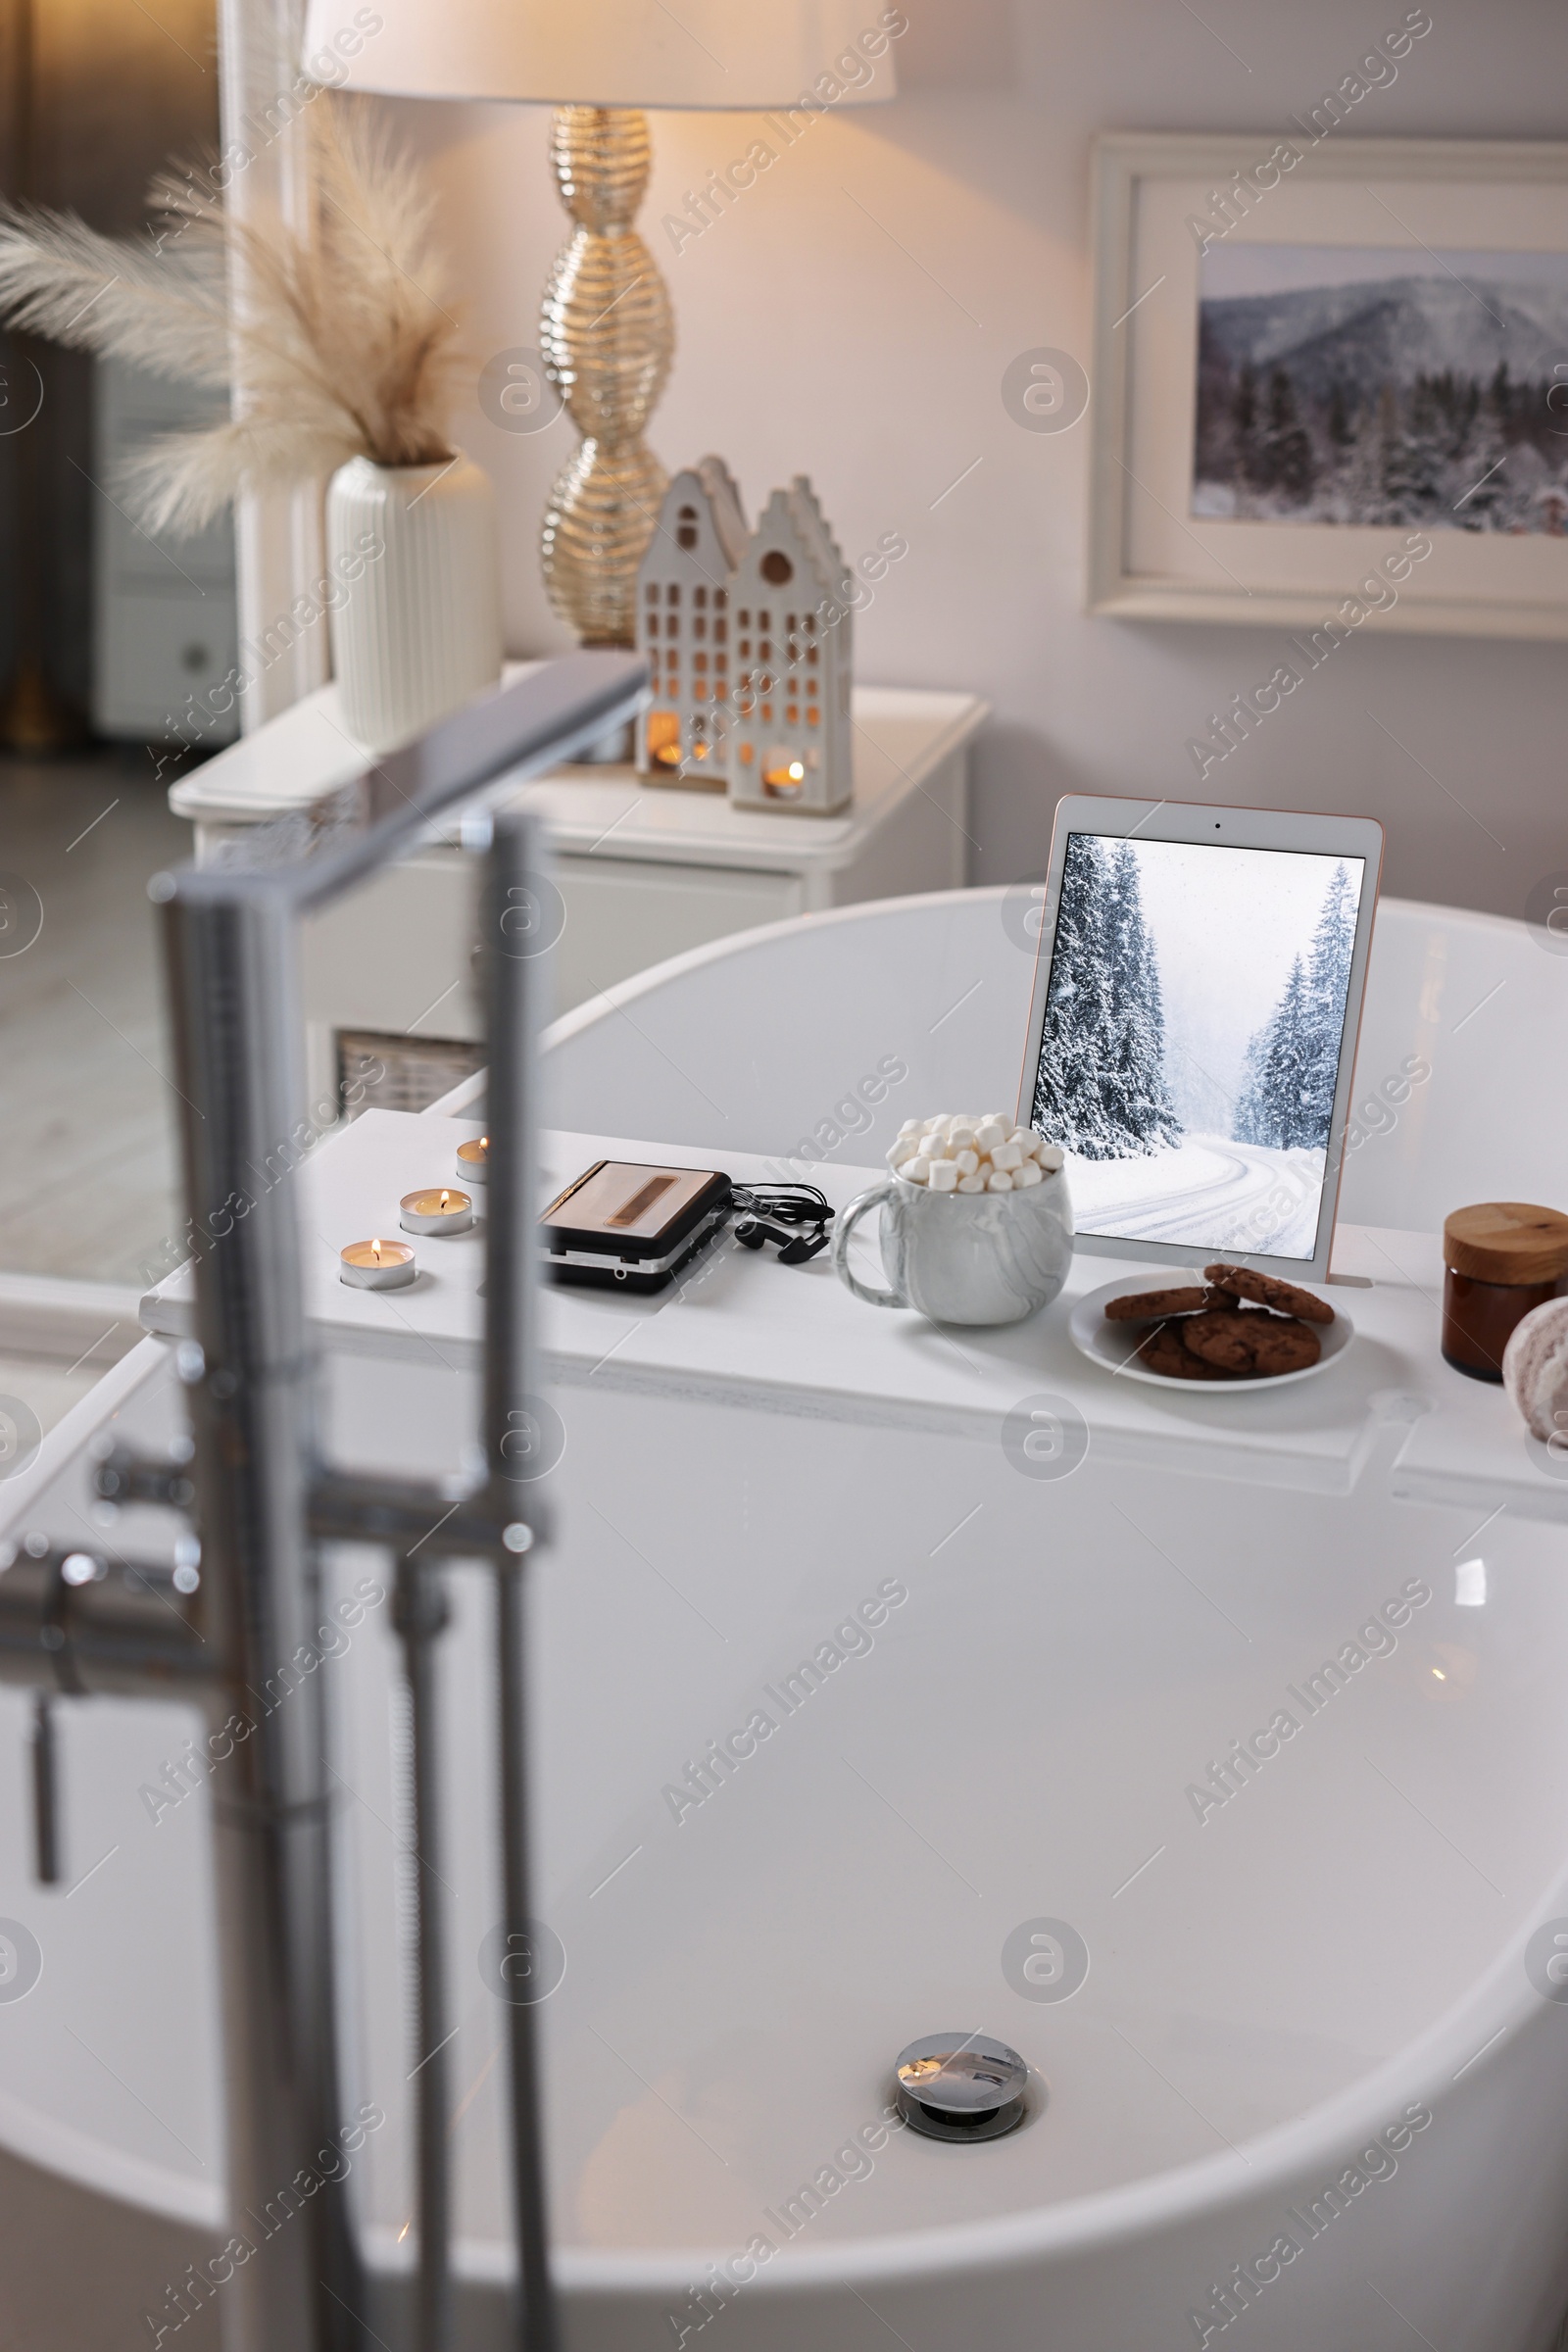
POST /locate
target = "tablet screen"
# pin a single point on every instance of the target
(1193, 1025)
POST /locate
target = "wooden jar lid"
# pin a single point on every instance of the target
(1507, 1240)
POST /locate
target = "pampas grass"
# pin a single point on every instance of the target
(337, 344)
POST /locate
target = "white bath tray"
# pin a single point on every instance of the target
(748, 1332)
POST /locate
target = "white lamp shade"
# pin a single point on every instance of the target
(745, 54)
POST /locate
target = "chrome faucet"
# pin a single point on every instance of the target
(263, 1502)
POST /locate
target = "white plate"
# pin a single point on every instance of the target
(1114, 1345)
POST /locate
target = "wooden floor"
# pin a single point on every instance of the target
(88, 1132)
(82, 2272)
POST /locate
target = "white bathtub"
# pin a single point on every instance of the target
(1308, 2041)
(1278, 1983)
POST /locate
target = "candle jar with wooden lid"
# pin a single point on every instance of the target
(1502, 1258)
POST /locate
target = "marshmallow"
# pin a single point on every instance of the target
(962, 1151)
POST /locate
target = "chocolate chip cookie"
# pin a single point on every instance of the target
(1249, 1342)
(1162, 1352)
(1153, 1307)
(1285, 1298)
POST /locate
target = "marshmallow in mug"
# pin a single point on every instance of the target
(958, 1152)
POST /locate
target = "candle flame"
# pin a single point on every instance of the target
(445, 1198)
(484, 1143)
(376, 1248)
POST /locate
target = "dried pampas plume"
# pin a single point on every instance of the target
(337, 344)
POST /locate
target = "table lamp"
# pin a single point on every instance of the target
(608, 332)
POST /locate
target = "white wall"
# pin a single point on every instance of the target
(852, 319)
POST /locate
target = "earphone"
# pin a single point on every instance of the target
(768, 1211)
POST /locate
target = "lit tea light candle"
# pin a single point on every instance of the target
(377, 1265)
(435, 1211)
(474, 1161)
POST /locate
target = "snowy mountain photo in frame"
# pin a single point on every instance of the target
(1193, 1025)
(1362, 384)
(1331, 376)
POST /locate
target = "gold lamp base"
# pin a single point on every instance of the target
(607, 336)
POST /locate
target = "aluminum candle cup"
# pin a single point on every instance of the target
(474, 1161)
(963, 1257)
(437, 1209)
(377, 1265)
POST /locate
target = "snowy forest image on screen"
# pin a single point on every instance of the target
(1192, 1037)
(1368, 385)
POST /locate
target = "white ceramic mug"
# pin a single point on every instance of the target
(963, 1257)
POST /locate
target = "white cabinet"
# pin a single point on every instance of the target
(644, 873)
(164, 617)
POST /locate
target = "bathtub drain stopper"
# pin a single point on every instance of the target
(961, 2086)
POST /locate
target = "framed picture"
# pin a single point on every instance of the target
(1331, 380)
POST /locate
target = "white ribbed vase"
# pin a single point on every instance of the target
(417, 630)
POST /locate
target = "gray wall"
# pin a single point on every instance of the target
(868, 352)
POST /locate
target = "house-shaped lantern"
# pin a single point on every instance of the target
(789, 735)
(683, 628)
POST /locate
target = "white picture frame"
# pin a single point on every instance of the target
(1150, 557)
(1212, 826)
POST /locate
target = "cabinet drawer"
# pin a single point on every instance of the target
(622, 915)
(398, 953)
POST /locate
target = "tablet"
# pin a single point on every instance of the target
(1192, 1032)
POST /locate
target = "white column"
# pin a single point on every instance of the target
(278, 537)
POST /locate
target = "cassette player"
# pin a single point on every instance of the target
(627, 1225)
